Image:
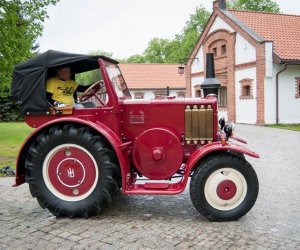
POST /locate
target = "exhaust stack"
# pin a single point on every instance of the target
(210, 85)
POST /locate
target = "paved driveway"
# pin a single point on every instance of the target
(171, 222)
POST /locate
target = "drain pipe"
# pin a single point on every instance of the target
(277, 98)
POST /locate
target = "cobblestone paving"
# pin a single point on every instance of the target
(171, 222)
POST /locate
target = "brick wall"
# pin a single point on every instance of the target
(224, 63)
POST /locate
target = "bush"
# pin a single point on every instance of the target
(9, 111)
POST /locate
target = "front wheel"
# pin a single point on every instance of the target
(71, 171)
(224, 187)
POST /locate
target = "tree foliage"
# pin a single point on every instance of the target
(9, 111)
(255, 5)
(20, 25)
(89, 77)
(157, 50)
(134, 59)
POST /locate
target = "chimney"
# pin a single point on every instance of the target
(210, 85)
(219, 4)
(222, 4)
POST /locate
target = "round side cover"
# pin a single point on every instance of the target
(157, 153)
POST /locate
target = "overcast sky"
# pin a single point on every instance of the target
(122, 27)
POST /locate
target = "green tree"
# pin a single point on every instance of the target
(255, 5)
(134, 59)
(157, 51)
(86, 78)
(187, 39)
(20, 25)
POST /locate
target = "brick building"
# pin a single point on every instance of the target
(149, 81)
(257, 61)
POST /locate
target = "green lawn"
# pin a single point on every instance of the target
(295, 127)
(12, 135)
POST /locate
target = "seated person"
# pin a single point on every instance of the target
(60, 90)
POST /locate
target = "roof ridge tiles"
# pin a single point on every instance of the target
(263, 12)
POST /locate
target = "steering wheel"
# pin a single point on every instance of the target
(90, 91)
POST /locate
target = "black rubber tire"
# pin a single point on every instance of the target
(206, 169)
(106, 161)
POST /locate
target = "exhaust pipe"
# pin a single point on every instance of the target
(210, 85)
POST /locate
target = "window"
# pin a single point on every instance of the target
(160, 93)
(297, 87)
(198, 93)
(223, 49)
(181, 94)
(215, 51)
(222, 97)
(139, 95)
(246, 88)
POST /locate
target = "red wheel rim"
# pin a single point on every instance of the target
(226, 189)
(70, 172)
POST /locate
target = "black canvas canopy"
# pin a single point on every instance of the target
(29, 78)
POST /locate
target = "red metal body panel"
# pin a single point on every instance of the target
(140, 115)
(217, 146)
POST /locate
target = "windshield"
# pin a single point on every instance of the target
(118, 81)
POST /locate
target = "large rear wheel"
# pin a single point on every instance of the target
(224, 187)
(72, 171)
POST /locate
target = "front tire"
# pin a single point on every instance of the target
(71, 171)
(224, 187)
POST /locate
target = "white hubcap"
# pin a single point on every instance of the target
(225, 189)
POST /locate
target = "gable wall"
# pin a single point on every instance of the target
(245, 59)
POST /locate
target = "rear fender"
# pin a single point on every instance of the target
(216, 147)
(102, 129)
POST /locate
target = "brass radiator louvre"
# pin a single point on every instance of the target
(188, 123)
(198, 124)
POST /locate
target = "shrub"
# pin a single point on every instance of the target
(9, 111)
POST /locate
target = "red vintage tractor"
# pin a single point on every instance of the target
(76, 160)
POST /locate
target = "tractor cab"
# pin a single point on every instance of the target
(30, 77)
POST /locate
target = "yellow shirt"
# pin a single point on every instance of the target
(62, 91)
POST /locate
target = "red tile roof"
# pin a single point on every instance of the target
(282, 29)
(152, 76)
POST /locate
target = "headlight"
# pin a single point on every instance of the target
(229, 128)
(222, 123)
